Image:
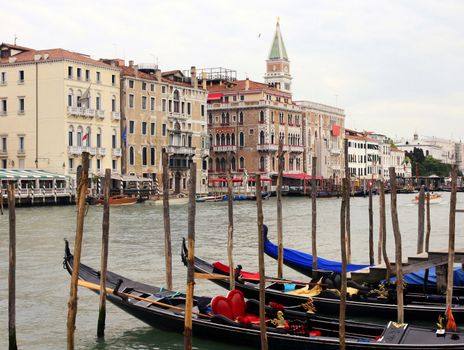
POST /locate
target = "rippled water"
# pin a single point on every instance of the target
(137, 251)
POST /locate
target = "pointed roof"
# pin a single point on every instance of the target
(278, 48)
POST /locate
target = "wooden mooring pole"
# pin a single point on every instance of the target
(280, 244)
(262, 282)
(452, 234)
(420, 220)
(383, 229)
(81, 197)
(343, 282)
(1, 197)
(190, 258)
(314, 217)
(12, 344)
(230, 229)
(371, 228)
(398, 248)
(347, 205)
(167, 221)
(104, 254)
(428, 226)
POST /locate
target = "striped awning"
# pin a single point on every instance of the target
(29, 174)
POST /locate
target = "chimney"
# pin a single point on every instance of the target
(204, 77)
(247, 84)
(193, 76)
(131, 63)
(136, 70)
(158, 75)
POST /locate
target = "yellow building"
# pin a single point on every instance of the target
(163, 111)
(55, 104)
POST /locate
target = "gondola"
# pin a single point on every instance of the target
(366, 303)
(164, 309)
(302, 262)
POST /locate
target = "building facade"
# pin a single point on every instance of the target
(54, 105)
(363, 155)
(161, 112)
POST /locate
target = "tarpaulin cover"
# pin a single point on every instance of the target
(294, 257)
(306, 260)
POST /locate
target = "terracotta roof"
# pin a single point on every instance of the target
(53, 54)
(130, 72)
(239, 85)
(17, 47)
(357, 137)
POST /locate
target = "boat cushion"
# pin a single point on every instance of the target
(225, 269)
(237, 302)
(221, 306)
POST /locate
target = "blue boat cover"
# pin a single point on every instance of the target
(304, 261)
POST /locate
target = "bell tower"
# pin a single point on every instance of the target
(277, 64)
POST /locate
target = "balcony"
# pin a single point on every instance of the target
(267, 147)
(116, 152)
(21, 152)
(90, 113)
(180, 150)
(77, 150)
(174, 115)
(295, 148)
(116, 115)
(4, 152)
(335, 151)
(225, 148)
(101, 151)
(100, 114)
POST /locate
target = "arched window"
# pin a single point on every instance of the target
(70, 97)
(261, 163)
(315, 134)
(218, 164)
(79, 136)
(183, 140)
(114, 139)
(232, 164)
(78, 98)
(189, 141)
(210, 141)
(261, 137)
(88, 135)
(223, 139)
(98, 138)
(176, 101)
(281, 137)
(223, 164)
(210, 119)
(227, 118)
(233, 139)
(272, 138)
(144, 156)
(240, 118)
(228, 139)
(223, 118)
(242, 163)
(131, 156)
(70, 135)
(98, 102)
(218, 142)
(273, 163)
(113, 103)
(242, 139)
(291, 163)
(261, 116)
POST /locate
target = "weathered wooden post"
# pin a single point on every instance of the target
(420, 219)
(262, 282)
(12, 268)
(190, 258)
(428, 225)
(104, 253)
(371, 228)
(343, 285)
(314, 217)
(383, 229)
(280, 245)
(1, 197)
(452, 234)
(398, 249)
(167, 221)
(230, 230)
(81, 197)
(347, 205)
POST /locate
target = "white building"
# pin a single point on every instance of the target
(440, 149)
(363, 155)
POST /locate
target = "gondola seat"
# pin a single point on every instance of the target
(224, 269)
(233, 307)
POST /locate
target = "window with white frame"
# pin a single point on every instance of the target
(21, 105)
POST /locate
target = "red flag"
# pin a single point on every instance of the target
(451, 323)
(85, 137)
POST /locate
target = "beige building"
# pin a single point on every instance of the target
(55, 104)
(162, 111)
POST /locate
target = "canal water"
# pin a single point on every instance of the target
(136, 251)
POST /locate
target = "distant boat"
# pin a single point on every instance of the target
(434, 198)
(172, 201)
(120, 199)
(210, 199)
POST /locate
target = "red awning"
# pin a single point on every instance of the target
(237, 179)
(215, 96)
(220, 179)
(301, 176)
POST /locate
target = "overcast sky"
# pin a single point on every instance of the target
(395, 66)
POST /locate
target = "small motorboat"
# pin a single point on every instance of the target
(434, 198)
(176, 200)
(209, 199)
(233, 320)
(120, 199)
